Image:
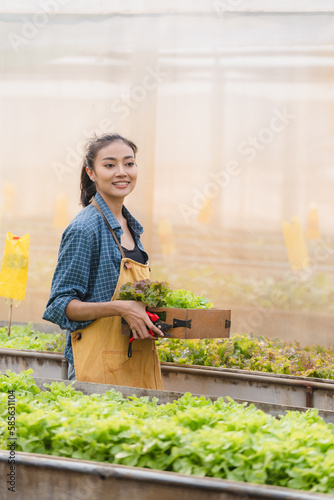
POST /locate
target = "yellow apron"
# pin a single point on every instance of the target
(100, 351)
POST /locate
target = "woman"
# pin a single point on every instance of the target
(100, 251)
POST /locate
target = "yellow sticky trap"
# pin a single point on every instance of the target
(206, 211)
(312, 225)
(165, 232)
(61, 217)
(295, 244)
(14, 268)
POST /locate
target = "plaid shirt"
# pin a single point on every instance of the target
(88, 265)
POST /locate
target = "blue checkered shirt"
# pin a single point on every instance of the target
(88, 265)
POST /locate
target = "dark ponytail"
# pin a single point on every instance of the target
(87, 186)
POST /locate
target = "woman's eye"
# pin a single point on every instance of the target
(130, 164)
(109, 165)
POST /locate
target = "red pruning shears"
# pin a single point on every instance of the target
(157, 322)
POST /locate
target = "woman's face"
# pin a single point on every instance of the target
(115, 171)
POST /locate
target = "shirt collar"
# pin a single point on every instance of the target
(134, 224)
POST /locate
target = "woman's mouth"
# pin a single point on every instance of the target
(121, 184)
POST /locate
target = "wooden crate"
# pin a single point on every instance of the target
(193, 323)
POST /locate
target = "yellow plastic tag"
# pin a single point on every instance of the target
(14, 268)
(295, 244)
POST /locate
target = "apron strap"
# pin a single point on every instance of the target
(96, 205)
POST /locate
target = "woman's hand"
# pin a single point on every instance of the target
(134, 313)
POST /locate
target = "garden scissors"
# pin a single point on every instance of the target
(158, 323)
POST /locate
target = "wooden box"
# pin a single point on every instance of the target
(193, 323)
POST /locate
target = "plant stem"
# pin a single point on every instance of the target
(10, 317)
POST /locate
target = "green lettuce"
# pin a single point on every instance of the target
(191, 435)
(159, 294)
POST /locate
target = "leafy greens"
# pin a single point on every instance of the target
(159, 294)
(192, 435)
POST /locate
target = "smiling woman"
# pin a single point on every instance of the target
(113, 174)
(108, 152)
(99, 252)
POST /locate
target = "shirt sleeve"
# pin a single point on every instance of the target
(70, 279)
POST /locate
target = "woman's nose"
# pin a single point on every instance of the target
(120, 169)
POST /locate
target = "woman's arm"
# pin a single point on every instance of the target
(71, 276)
(134, 313)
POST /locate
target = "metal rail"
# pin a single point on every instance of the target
(165, 397)
(16, 360)
(270, 388)
(207, 371)
(214, 382)
(42, 355)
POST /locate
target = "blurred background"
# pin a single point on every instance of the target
(231, 104)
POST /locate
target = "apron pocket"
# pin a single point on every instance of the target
(119, 369)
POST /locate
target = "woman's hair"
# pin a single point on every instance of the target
(87, 186)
